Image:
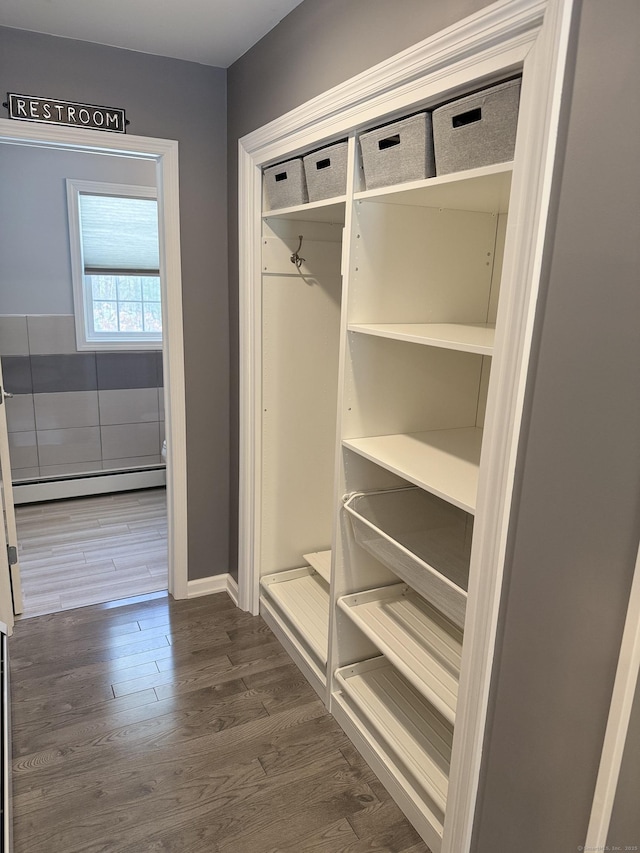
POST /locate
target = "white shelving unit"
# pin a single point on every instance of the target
(413, 286)
(384, 349)
(421, 264)
(424, 275)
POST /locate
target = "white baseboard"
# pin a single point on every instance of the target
(213, 584)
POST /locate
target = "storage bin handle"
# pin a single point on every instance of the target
(469, 117)
(323, 164)
(281, 176)
(389, 142)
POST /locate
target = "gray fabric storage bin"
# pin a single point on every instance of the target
(326, 172)
(285, 185)
(398, 152)
(477, 130)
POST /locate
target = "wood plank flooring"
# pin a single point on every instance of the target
(91, 550)
(162, 726)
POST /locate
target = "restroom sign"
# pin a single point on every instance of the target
(68, 113)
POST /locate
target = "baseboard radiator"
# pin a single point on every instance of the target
(83, 485)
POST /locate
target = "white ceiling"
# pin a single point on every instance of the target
(212, 32)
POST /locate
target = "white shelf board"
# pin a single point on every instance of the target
(444, 462)
(303, 598)
(422, 645)
(414, 733)
(321, 562)
(464, 337)
(484, 189)
(326, 210)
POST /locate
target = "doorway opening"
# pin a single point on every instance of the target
(92, 550)
(160, 156)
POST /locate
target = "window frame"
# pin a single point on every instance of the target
(81, 304)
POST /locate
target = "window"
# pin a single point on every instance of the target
(115, 265)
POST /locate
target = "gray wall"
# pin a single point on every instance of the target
(185, 101)
(575, 526)
(320, 44)
(33, 212)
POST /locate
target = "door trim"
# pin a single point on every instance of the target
(8, 506)
(164, 152)
(6, 597)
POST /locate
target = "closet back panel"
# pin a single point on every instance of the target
(393, 386)
(421, 265)
(301, 324)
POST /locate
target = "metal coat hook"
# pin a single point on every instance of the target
(295, 257)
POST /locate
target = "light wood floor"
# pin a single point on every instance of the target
(166, 726)
(91, 550)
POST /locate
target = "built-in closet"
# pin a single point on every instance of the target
(387, 340)
(423, 264)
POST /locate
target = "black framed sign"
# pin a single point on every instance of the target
(68, 113)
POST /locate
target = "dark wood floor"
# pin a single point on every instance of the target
(183, 727)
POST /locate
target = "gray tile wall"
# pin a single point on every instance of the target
(75, 413)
